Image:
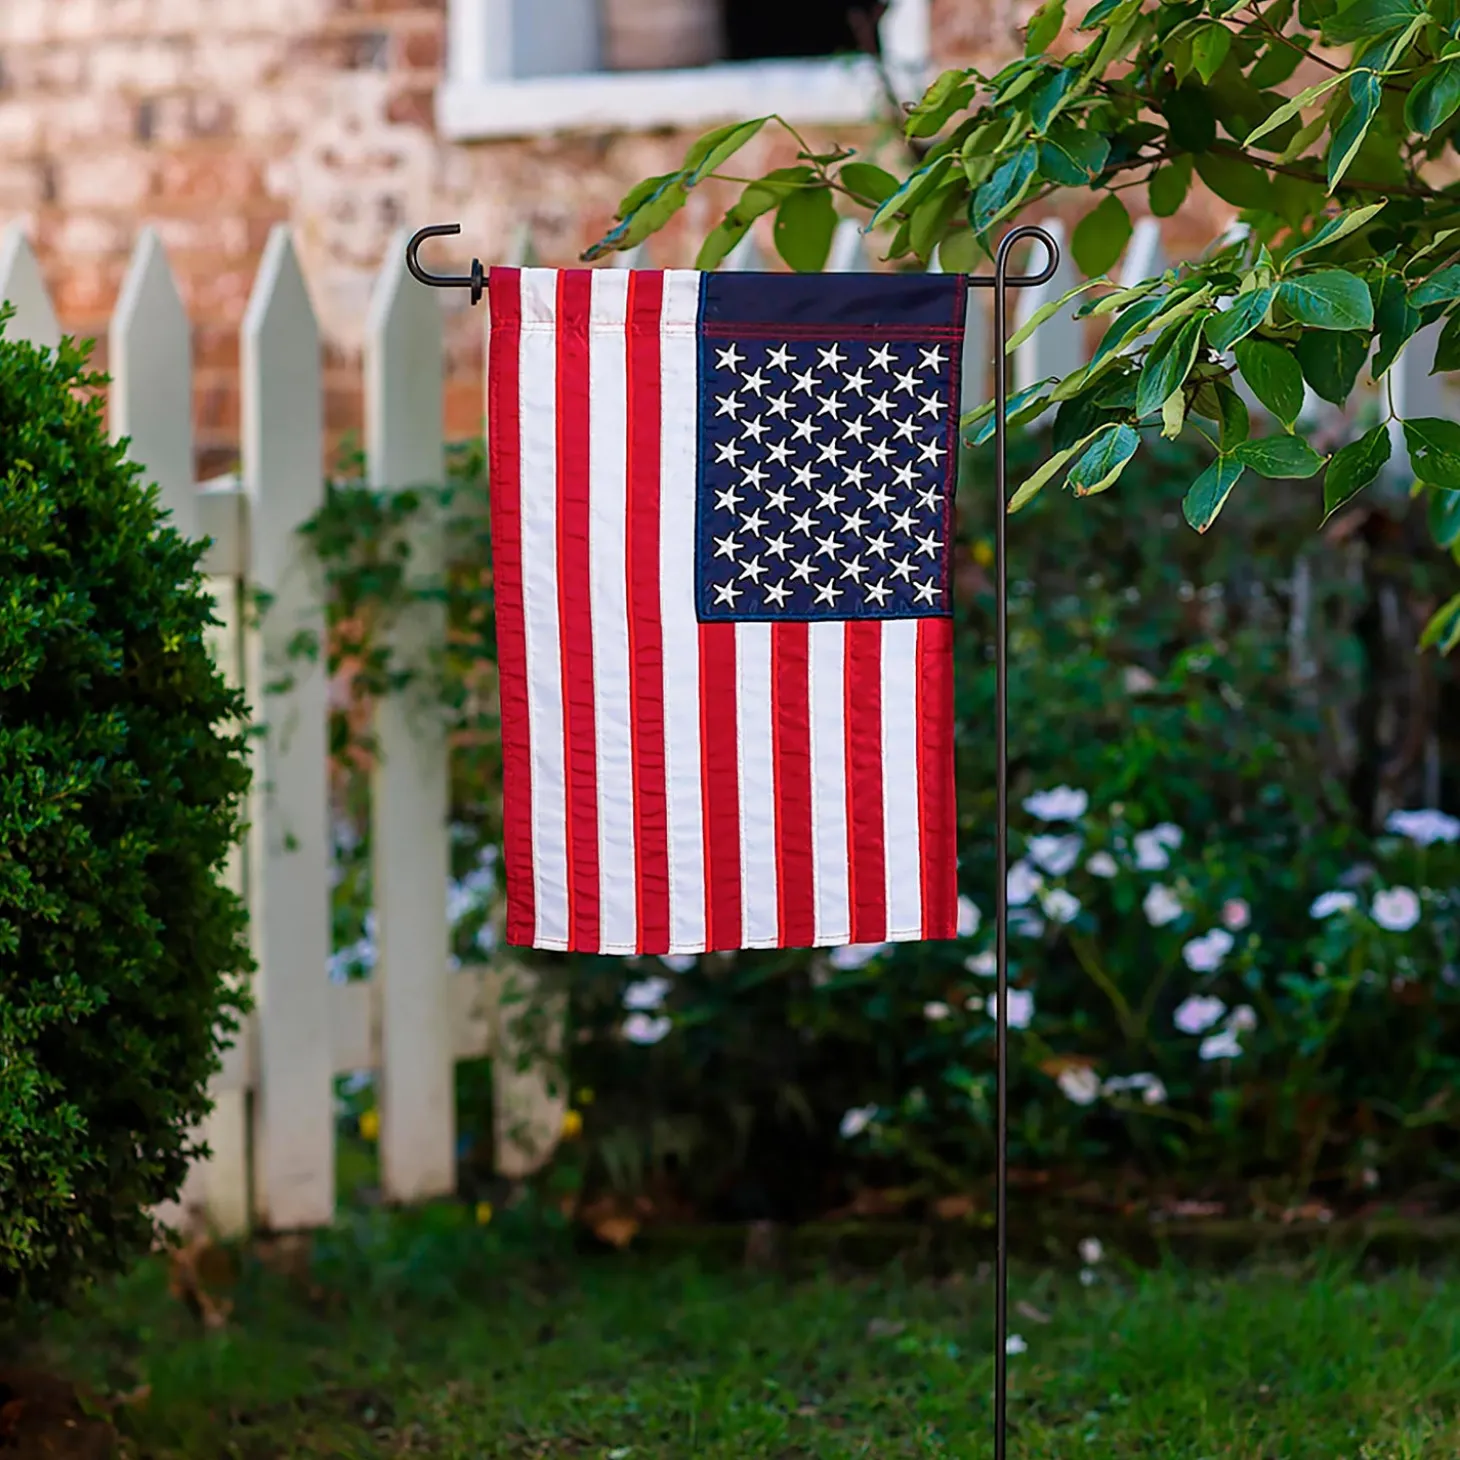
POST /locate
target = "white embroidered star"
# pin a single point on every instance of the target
(926, 592)
(928, 545)
(932, 359)
(752, 568)
(802, 570)
(929, 498)
(779, 405)
(828, 593)
(931, 451)
(857, 381)
(780, 359)
(880, 545)
(879, 498)
(779, 452)
(903, 522)
(755, 381)
(903, 569)
(853, 568)
(855, 427)
(931, 404)
(877, 592)
(854, 475)
(729, 451)
(905, 429)
(882, 357)
(853, 521)
(779, 498)
(907, 381)
(881, 405)
(727, 546)
(831, 405)
(777, 593)
(904, 474)
(729, 405)
(778, 546)
(804, 522)
(803, 476)
(830, 451)
(754, 475)
(752, 522)
(727, 499)
(880, 452)
(804, 429)
(755, 427)
(828, 498)
(806, 380)
(728, 358)
(726, 593)
(830, 545)
(831, 357)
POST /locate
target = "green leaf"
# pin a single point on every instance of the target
(639, 194)
(1279, 61)
(1334, 229)
(1444, 516)
(1127, 326)
(1396, 320)
(1103, 460)
(1104, 10)
(1209, 492)
(1235, 422)
(1432, 100)
(1444, 628)
(1051, 97)
(867, 182)
(1328, 299)
(931, 217)
(1167, 364)
(1169, 187)
(1236, 322)
(1018, 402)
(1369, 19)
(1235, 181)
(1279, 456)
(1331, 361)
(1365, 91)
(1004, 189)
(1189, 115)
(946, 95)
(1101, 235)
(1071, 156)
(705, 155)
(1293, 108)
(1447, 348)
(1439, 288)
(1434, 450)
(805, 222)
(1031, 486)
(1047, 310)
(1353, 468)
(1274, 376)
(1044, 26)
(650, 215)
(1209, 47)
(911, 190)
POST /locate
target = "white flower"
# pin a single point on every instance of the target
(1102, 864)
(1014, 1344)
(1080, 1084)
(641, 1028)
(936, 1009)
(1154, 847)
(1026, 922)
(1205, 954)
(985, 964)
(678, 962)
(1138, 681)
(1243, 1020)
(969, 916)
(1198, 1013)
(1153, 1092)
(1089, 1277)
(854, 955)
(1021, 1008)
(1161, 905)
(1220, 1046)
(1064, 803)
(1061, 905)
(1423, 827)
(1328, 903)
(1396, 909)
(1091, 1251)
(1056, 854)
(647, 994)
(1024, 882)
(1236, 914)
(856, 1120)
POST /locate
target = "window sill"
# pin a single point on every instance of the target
(825, 92)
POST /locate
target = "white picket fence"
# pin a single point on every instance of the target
(273, 1130)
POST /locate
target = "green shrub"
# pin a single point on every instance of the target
(122, 765)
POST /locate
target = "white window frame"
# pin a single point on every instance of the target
(479, 100)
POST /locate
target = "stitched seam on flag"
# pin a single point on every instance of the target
(740, 658)
(758, 330)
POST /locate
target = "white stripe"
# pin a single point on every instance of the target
(900, 778)
(759, 915)
(538, 414)
(829, 782)
(608, 601)
(678, 372)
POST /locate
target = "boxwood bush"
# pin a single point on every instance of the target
(122, 767)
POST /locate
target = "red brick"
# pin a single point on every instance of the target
(420, 47)
(211, 175)
(415, 107)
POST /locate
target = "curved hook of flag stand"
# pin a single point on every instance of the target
(999, 281)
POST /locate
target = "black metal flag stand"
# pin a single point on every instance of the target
(999, 281)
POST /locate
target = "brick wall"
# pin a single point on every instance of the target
(214, 119)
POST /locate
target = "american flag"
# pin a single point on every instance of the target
(721, 522)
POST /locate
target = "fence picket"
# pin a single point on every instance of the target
(1144, 258)
(289, 848)
(21, 284)
(410, 846)
(848, 249)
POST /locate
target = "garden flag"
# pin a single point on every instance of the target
(721, 512)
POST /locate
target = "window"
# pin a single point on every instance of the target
(517, 67)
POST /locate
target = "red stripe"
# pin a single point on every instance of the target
(646, 637)
(937, 799)
(791, 738)
(575, 295)
(866, 855)
(720, 785)
(504, 407)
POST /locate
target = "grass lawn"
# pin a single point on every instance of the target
(428, 1343)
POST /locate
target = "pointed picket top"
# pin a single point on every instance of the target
(1058, 346)
(1145, 258)
(636, 257)
(150, 360)
(283, 419)
(848, 249)
(745, 257)
(403, 364)
(523, 253)
(22, 285)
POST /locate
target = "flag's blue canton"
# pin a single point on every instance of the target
(826, 467)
